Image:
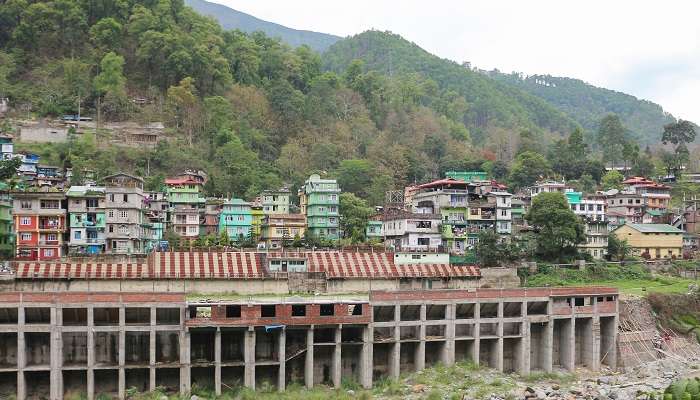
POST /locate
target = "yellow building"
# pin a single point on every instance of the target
(656, 240)
(278, 228)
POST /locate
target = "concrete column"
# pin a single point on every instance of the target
(152, 350)
(217, 361)
(477, 333)
(395, 355)
(420, 348)
(282, 351)
(185, 376)
(56, 361)
(546, 349)
(309, 361)
(249, 356)
(90, 354)
(366, 358)
(525, 353)
(499, 343)
(448, 352)
(21, 355)
(567, 343)
(121, 353)
(594, 351)
(336, 361)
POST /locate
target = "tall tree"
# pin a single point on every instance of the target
(558, 229)
(611, 136)
(527, 168)
(354, 214)
(110, 81)
(679, 134)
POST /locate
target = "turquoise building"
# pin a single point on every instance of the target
(320, 201)
(467, 176)
(236, 219)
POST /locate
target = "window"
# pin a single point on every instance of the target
(126, 198)
(123, 229)
(123, 214)
(77, 235)
(298, 310)
(331, 220)
(423, 241)
(327, 310)
(267, 311)
(25, 221)
(25, 236)
(49, 204)
(233, 311)
(48, 253)
(91, 203)
(51, 237)
(504, 213)
(111, 228)
(110, 213)
(25, 204)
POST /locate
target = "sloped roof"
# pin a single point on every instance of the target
(654, 228)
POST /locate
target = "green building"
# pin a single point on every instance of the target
(374, 230)
(236, 219)
(86, 213)
(320, 201)
(187, 204)
(467, 176)
(7, 231)
(275, 201)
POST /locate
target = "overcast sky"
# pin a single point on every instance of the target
(650, 49)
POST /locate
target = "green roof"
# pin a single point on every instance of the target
(655, 228)
(655, 213)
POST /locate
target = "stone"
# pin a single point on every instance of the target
(194, 397)
(351, 392)
(420, 388)
(555, 387)
(529, 389)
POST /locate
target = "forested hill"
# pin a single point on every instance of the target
(233, 19)
(492, 104)
(587, 104)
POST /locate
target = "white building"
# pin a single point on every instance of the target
(412, 231)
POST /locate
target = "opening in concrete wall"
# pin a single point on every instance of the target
(512, 354)
(383, 313)
(137, 378)
(268, 311)
(232, 345)
(37, 348)
(8, 350)
(465, 311)
(512, 328)
(607, 341)
(383, 334)
(464, 330)
(105, 316)
(168, 316)
(537, 308)
(323, 365)
(232, 378)
(137, 315)
(199, 312)
(464, 350)
(355, 309)
(203, 378)
(434, 352)
(409, 332)
(324, 335)
(74, 316)
(202, 345)
(136, 348)
(74, 384)
(8, 384)
(266, 345)
(488, 329)
(8, 316)
(488, 352)
(169, 378)
(512, 309)
(74, 348)
(380, 360)
(350, 362)
(106, 383)
(488, 310)
(435, 312)
(584, 350)
(167, 347)
(435, 332)
(295, 356)
(407, 360)
(327, 310)
(410, 313)
(38, 384)
(299, 310)
(562, 351)
(37, 315)
(351, 334)
(266, 377)
(538, 346)
(106, 348)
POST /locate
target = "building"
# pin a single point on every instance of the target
(7, 228)
(627, 205)
(449, 199)
(155, 225)
(596, 244)
(125, 210)
(7, 149)
(236, 219)
(280, 229)
(652, 241)
(655, 195)
(275, 201)
(374, 230)
(320, 202)
(407, 231)
(547, 187)
(504, 218)
(467, 176)
(86, 210)
(256, 211)
(40, 223)
(212, 214)
(187, 203)
(28, 169)
(592, 207)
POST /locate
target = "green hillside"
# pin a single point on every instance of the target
(233, 19)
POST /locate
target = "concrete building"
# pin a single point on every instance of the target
(156, 208)
(185, 195)
(236, 219)
(628, 205)
(40, 223)
(7, 228)
(320, 201)
(504, 218)
(276, 201)
(547, 187)
(655, 195)
(596, 244)
(125, 212)
(374, 229)
(277, 229)
(86, 209)
(256, 211)
(212, 215)
(652, 241)
(407, 231)
(592, 207)
(448, 198)
(467, 176)
(7, 149)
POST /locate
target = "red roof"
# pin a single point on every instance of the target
(443, 182)
(643, 182)
(181, 181)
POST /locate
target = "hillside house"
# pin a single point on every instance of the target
(652, 241)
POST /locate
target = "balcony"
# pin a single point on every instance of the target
(94, 241)
(49, 242)
(51, 226)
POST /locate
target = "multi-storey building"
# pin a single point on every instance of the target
(448, 198)
(374, 230)
(652, 241)
(654, 195)
(275, 201)
(156, 219)
(40, 223)
(212, 213)
(86, 209)
(320, 200)
(124, 211)
(28, 168)
(596, 244)
(593, 207)
(258, 217)
(625, 206)
(547, 187)
(236, 219)
(278, 229)
(504, 218)
(186, 204)
(7, 149)
(7, 229)
(407, 231)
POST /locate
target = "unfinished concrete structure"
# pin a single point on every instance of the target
(56, 344)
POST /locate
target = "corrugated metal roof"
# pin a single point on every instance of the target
(655, 228)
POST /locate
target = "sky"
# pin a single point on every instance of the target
(649, 49)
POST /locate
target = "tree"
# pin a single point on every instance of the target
(488, 249)
(110, 81)
(611, 136)
(355, 176)
(558, 229)
(612, 180)
(184, 106)
(354, 214)
(8, 168)
(528, 168)
(618, 249)
(630, 153)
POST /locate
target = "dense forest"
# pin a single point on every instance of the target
(375, 111)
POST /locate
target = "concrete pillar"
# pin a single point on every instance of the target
(420, 348)
(448, 357)
(121, 354)
(152, 350)
(525, 352)
(477, 333)
(56, 358)
(309, 361)
(249, 357)
(594, 351)
(337, 357)
(282, 351)
(499, 343)
(546, 349)
(567, 343)
(90, 354)
(21, 355)
(217, 361)
(185, 370)
(395, 355)
(366, 358)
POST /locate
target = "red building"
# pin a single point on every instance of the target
(40, 224)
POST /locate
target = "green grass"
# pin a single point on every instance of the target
(641, 287)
